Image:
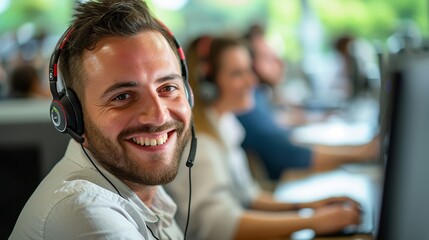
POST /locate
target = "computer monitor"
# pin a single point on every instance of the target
(387, 92)
(404, 211)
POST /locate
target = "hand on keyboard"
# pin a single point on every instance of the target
(336, 217)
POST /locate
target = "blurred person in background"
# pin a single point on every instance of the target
(357, 68)
(227, 203)
(268, 140)
(25, 82)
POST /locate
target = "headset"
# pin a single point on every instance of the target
(208, 90)
(66, 111)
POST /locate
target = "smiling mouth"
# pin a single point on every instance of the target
(145, 141)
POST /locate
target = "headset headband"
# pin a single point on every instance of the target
(53, 63)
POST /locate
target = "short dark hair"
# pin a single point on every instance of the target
(255, 31)
(94, 20)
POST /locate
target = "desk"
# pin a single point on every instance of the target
(355, 125)
(360, 182)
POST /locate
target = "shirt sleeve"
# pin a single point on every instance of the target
(215, 212)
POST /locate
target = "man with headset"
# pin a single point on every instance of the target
(127, 104)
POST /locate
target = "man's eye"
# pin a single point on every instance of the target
(122, 97)
(169, 88)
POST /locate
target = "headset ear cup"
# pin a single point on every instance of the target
(74, 112)
(189, 94)
(208, 90)
(66, 113)
(58, 116)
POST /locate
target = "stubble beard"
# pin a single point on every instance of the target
(116, 160)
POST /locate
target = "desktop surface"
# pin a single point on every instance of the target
(356, 124)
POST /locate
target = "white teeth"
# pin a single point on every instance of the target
(160, 140)
(145, 141)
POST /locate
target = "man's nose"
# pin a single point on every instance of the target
(152, 110)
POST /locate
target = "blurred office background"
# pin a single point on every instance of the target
(301, 31)
(305, 33)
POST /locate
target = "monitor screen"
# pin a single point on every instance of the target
(404, 212)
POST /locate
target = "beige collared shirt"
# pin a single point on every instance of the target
(75, 201)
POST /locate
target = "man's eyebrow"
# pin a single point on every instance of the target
(119, 85)
(171, 77)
